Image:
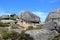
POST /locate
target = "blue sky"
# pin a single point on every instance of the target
(38, 7)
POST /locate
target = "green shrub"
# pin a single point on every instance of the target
(12, 18)
(6, 35)
(30, 28)
(1, 38)
(14, 35)
(4, 24)
(15, 26)
(57, 37)
(38, 27)
(11, 35)
(22, 34)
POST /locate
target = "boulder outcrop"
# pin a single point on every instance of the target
(54, 16)
(49, 26)
(42, 34)
(29, 17)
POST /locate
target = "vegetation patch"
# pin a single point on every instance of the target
(11, 35)
(12, 18)
(14, 26)
(4, 24)
(32, 28)
(57, 37)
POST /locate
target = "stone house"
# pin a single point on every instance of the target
(28, 19)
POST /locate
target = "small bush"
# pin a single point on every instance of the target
(11, 35)
(4, 24)
(38, 27)
(12, 18)
(30, 28)
(57, 37)
(1, 38)
(22, 35)
(6, 35)
(14, 35)
(15, 26)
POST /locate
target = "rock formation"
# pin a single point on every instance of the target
(29, 17)
(49, 26)
(54, 16)
(42, 34)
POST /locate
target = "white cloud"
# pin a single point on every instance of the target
(42, 15)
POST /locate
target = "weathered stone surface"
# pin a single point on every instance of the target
(49, 26)
(42, 34)
(29, 16)
(54, 16)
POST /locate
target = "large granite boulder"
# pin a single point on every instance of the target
(29, 17)
(49, 26)
(42, 34)
(54, 16)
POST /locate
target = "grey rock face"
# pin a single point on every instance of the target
(49, 26)
(54, 16)
(28, 16)
(42, 34)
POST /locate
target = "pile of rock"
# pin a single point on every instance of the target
(49, 30)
